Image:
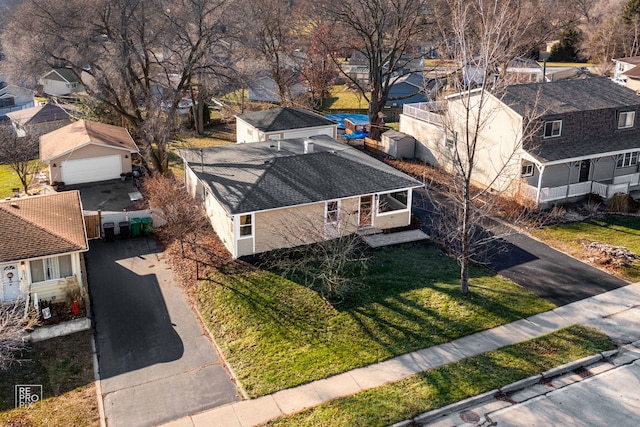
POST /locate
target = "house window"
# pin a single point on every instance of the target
(246, 226)
(332, 209)
(450, 141)
(626, 119)
(50, 268)
(552, 129)
(8, 101)
(391, 202)
(527, 169)
(627, 159)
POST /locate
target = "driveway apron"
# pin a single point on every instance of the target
(550, 274)
(156, 363)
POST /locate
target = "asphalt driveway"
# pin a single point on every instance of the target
(156, 363)
(548, 273)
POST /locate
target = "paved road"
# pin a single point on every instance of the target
(608, 399)
(156, 364)
(550, 274)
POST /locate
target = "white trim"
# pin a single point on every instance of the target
(627, 114)
(552, 122)
(406, 209)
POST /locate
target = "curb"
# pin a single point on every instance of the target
(96, 375)
(589, 360)
(454, 407)
(427, 417)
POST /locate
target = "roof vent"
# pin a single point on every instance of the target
(15, 205)
(308, 146)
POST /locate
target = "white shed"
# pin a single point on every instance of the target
(398, 145)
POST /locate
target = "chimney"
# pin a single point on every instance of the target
(308, 146)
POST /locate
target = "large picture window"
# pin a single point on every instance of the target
(391, 202)
(627, 159)
(552, 129)
(50, 268)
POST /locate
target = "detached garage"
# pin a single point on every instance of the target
(282, 123)
(86, 151)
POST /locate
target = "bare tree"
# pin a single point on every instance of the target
(385, 32)
(139, 58)
(327, 256)
(484, 35)
(14, 323)
(20, 153)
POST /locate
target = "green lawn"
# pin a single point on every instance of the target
(343, 98)
(442, 386)
(614, 230)
(277, 334)
(64, 368)
(8, 181)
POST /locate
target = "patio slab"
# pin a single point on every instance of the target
(380, 240)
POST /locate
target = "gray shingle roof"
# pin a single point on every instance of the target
(284, 118)
(41, 114)
(256, 176)
(566, 96)
(560, 150)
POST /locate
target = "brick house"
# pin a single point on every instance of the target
(585, 138)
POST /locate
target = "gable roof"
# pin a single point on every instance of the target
(632, 60)
(255, 177)
(43, 225)
(634, 73)
(16, 90)
(416, 80)
(284, 118)
(553, 151)
(81, 133)
(40, 114)
(566, 96)
(62, 75)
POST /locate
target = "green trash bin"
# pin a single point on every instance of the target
(147, 225)
(136, 227)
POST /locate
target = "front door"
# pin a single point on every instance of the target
(365, 211)
(585, 166)
(10, 282)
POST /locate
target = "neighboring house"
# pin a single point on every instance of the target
(14, 98)
(627, 72)
(412, 88)
(41, 244)
(270, 195)
(282, 123)
(61, 82)
(588, 141)
(264, 88)
(36, 121)
(87, 151)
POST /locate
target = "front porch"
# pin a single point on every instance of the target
(623, 184)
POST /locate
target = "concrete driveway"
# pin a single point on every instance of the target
(156, 363)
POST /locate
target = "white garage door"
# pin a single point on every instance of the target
(91, 170)
(309, 132)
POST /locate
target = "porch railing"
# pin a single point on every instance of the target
(632, 179)
(550, 194)
(425, 111)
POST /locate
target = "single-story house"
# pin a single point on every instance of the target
(282, 123)
(14, 98)
(551, 142)
(87, 151)
(61, 82)
(276, 194)
(36, 121)
(43, 238)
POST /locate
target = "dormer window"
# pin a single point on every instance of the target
(626, 119)
(552, 129)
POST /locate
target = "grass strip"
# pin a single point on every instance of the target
(448, 384)
(277, 334)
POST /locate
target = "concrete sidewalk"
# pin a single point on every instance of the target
(593, 311)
